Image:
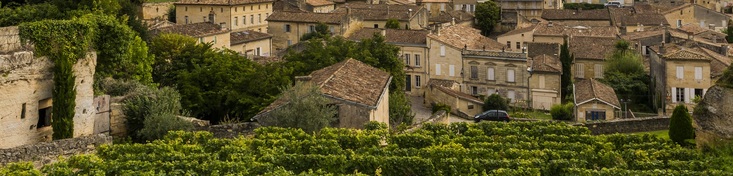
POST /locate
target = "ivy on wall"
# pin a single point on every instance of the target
(64, 42)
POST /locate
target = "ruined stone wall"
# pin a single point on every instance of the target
(26, 85)
(231, 130)
(628, 125)
(48, 152)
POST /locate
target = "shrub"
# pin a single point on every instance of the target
(374, 125)
(306, 109)
(117, 87)
(562, 111)
(495, 102)
(156, 126)
(680, 126)
(440, 106)
(148, 103)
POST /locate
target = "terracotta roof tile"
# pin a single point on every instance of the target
(394, 36)
(319, 2)
(379, 12)
(381, 7)
(247, 36)
(447, 17)
(458, 94)
(279, 6)
(643, 34)
(588, 89)
(558, 29)
(353, 81)
(194, 29)
(719, 63)
(595, 48)
(328, 18)
(567, 14)
(459, 36)
(686, 51)
(545, 63)
(536, 49)
(442, 82)
(515, 55)
(222, 2)
(519, 31)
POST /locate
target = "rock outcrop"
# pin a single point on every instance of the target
(714, 115)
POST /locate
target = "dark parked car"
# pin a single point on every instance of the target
(492, 115)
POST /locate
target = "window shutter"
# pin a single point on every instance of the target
(674, 95)
(680, 72)
(542, 81)
(452, 70)
(580, 71)
(437, 69)
(442, 50)
(598, 70)
(698, 73)
(510, 75)
(687, 95)
(491, 74)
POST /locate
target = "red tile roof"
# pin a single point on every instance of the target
(591, 89)
(285, 16)
(222, 2)
(458, 36)
(194, 29)
(352, 80)
(567, 14)
(458, 94)
(394, 36)
(545, 63)
(247, 36)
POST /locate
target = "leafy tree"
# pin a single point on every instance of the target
(624, 72)
(11, 16)
(495, 102)
(392, 24)
(562, 111)
(321, 31)
(566, 80)
(172, 14)
(487, 15)
(145, 108)
(306, 109)
(680, 126)
(168, 48)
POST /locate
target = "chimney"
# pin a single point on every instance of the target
(661, 49)
(437, 29)
(664, 35)
(409, 12)
(549, 24)
(303, 78)
(453, 21)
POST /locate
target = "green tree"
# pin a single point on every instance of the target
(624, 72)
(11, 16)
(392, 24)
(729, 32)
(562, 111)
(321, 31)
(168, 50)
(150, 112)
(495, 102)
(487, 15)
(306, 109)
(680, 126)
(566, 80)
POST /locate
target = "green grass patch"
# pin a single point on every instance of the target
(664, 134)
(531, 115)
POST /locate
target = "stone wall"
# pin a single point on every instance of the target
(26, 85)
(158, 10)
(628, 125)
(47, 152)
(441, 117)
(231, 130)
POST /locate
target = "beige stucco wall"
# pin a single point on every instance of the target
(696, 15)
(355, 116)
(522, 38)
(433, 8)
(595, 105)
(381, 114)
(414, 70)
(590, 68)
(544, 96)
(452, 57)
(323, 9)
(219, 40)
(156, 10)
(433, 95)
(265, 46)
(688, 81)
(227, 14)
(297, 30)
(528, 9)
(28, 80)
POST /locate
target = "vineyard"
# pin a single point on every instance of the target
(516, 148)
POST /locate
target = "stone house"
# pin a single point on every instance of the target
(594, 101)
(590, 55)
(413, 51)
(625, 2)
(204, 32)
(468, 6)
(552, 32)
(237, 15)
(448, 18)
(376, 15)
(544, 81)
(535, 49)
(155, 11)
(595, 17)
(434, 7)
(287, 28)
(359, 91)
(27, 93)
(529, 8)
(635, 19)
(251, 43)
(518, 38)
(496, 72)
(683, 71)
(696, 14)
(460, 103)
(706, 34)
(317, 6)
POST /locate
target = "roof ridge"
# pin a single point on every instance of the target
(593, 89)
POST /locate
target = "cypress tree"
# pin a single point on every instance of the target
(680, 125)
(566, 88)
(64, 98)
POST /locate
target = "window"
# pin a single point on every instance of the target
(204, 18)
(698, 93)
(214, 40)
(235, 9)
(287, 28)
(490, 74)
(679, 22)
(509, 44)
(201, 40)
(267, 6)
(186, 19)
(244, 20)
(290, 42)
(311, 28)
(408, 83)
(643, 50)
(510, 75)
(519, 45)
(376, 26)
(333, 30)
(598, 69)
(442, 7)
(44, 117)
(186, 9)
(580, 71)
(258, 52)
(252, 7)
(437, 69)
(474, 90)
(417, 80)
(236, 21)
(680, 72)
(22, 112)
(417, 60)
(698, 73)
(407, 59)
(595, 115)
(680, 96)
(470, 106)
(201, 9)
(474, 72)
(542, 81)
(442, 50)
(259, 18)
(510, 95)
(451, 70)
(259, 6)
(252, 19)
